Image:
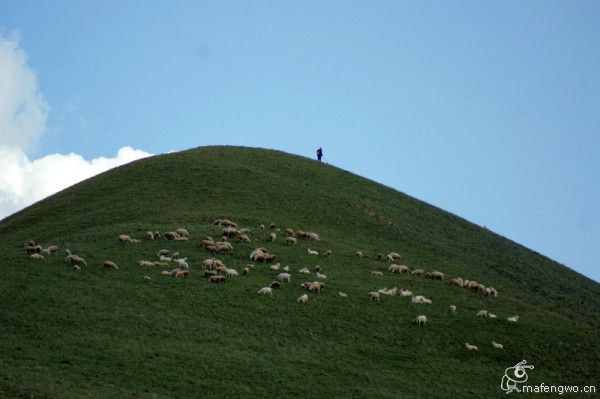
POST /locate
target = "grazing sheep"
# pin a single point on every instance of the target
(406, 293)
(359, 254)
(166, 272)
(146, 263)
(327, 253)
(457, 281)
(265, 290)
(272, 237)
(209, 273)
(51, 250)
(74, 259)
(110, 265)
(420, 299)
(321, 276)
(493, 292)
(164, 252)
(390, 258)
(304, 270)
(256, 252)
(452, 308)
(246, 271)
(272, 226)
(147, 278)
(275, 284)
(311, 252)
(291, 241)
(317, 269)
(313, 236)
(217, 279)
(171, 235)
(212, 263)
(492, 316)
(302, 299)
(229, 232)
(471, 347)
(244, 238)
(231, 273)
(180, 238)
(150, 235)
(182, 232)
(342, 294)
(36, 257)
(124, 238)
(497, 345)
(290, 231)
(182, 263)
(264, 257)
(395, 255)
(421, 320)
(483, 313)
(418, 272)
(436, 275)
(284, 277)
(377, 273)
(374, 296)
(163, 258)
(286, 268)
(76, 268)
(513, 319)
(223, 246)
(404, 269)
(394, 268)
(276, 266)
(221, 270)
(262, 226)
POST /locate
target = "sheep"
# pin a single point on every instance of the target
(284, 277)
(135, 241)
(182, 232)
(471, 347)
(74, 259)
(491, 291)
(110, 265)
(232, 273)
(246, 271)
(51, 250)
(124, 238)
(180, 238)
(150, 235)
(291, 241)
(403, 269)
(265, 291)
(290, 231)
(406, 293)
(257, 251)
(390, 292)
(276, 266)
(311, 252)
(76, 268)
(492, 316)
(317, 269)
(304, 270)
(221, 270)
(164, 252)
(275, 284)
(286, 268)
(302, 299)
(452, 308)
(420, 299)
(166, 272)
(374, 296)
(212, 263)
(272, 226)
(380, 256)
(390, 258)
(394, 268)
(163, 258)
(36, 257)
(209, 273)
(217, 279)
(377, 273)
(262, 226)
(171, 235)
(359, 254)
(418, 272)
(394, 255)
(436, 275)
(264, 257)
(497, 345)
(229, 232)
(342, 294)
(244, 238)
(421, 320)
(457, 281)
(483, 313)
(147, 278)
(223, 246)
(272, 237)
(513, 319)
(327, 253)
(145, 263)
(321, 276)
(157, 234)
(182, 263)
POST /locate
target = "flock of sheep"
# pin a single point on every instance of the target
(216, 272)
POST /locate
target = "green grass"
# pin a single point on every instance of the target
(101, 333)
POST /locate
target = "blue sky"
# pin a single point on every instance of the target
(489, 110)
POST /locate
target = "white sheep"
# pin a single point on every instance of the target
(377, 273)
(497, 345)
(452, 308)
(284, 277)
(183, 263)
(374, 296)
(147, 278)
(327, 253)
(359, 254)
(420, 299)
(276, 266)
(286, 268)
(302, 299)
(404, 292)
(342, 294)
(513, 319)
(272, 237)
(421, 320)
(36, 257)
(291, 240)
(265, 291)
(232, 273)
(163, 258)
(304, 270)
(110, 265)
(483, 313)
(321, 276)
(471, 347)
(311, 252)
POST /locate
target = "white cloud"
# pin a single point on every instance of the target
(23, 113)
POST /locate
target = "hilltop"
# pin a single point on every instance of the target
(108, 333)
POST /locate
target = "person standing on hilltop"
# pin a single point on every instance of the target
(319, 154)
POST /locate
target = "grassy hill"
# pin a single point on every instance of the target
(106, 333)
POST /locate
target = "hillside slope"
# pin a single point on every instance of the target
(106, 333)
